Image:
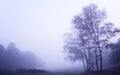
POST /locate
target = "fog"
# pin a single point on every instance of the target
(11, 58)
(38, 26)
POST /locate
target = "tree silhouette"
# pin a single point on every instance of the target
(11, 58)
(90, 36)
(115, 52)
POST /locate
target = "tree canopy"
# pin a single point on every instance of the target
(91, 34)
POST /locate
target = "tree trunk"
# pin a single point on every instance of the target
(84, 64)
(92, 64)
(100, 53)
(96, 60)
(101, 60)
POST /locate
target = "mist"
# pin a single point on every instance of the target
(36, 29)
(11, 58)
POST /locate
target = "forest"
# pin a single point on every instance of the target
(11, 59)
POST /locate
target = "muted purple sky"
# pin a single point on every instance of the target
(39, 25)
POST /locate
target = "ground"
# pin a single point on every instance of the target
(59, 73)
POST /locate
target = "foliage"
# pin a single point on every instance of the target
(90, 36)
(115, 52)
(11, 58)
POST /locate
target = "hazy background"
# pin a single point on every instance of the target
(39, 25)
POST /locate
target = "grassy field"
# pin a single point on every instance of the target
(60, 73)
(48, 73)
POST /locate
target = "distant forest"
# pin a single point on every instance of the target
(11, 58)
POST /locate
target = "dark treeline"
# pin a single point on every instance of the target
(11, 58)
(115, 55)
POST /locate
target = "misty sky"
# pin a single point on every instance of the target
(39, 25)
